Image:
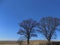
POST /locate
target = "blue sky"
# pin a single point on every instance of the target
(13, 12)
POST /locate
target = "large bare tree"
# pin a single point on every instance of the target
(48, 26)
(27, 29)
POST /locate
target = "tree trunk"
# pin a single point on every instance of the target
(49, 43)
(28, 41)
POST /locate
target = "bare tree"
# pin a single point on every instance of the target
(48, 26)
(27, 29)
(21, 40)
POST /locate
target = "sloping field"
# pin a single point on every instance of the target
(35, 42)
(8, 43)
(32, 42)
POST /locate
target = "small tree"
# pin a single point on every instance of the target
(21, 40)
(27, 29)
(47, 26)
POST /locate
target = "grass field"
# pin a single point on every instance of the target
(32, 42)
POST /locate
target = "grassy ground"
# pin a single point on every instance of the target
(35, 42)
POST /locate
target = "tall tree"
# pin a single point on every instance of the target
(48, 26)
(27, 29)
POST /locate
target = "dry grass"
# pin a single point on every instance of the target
(35, 42)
